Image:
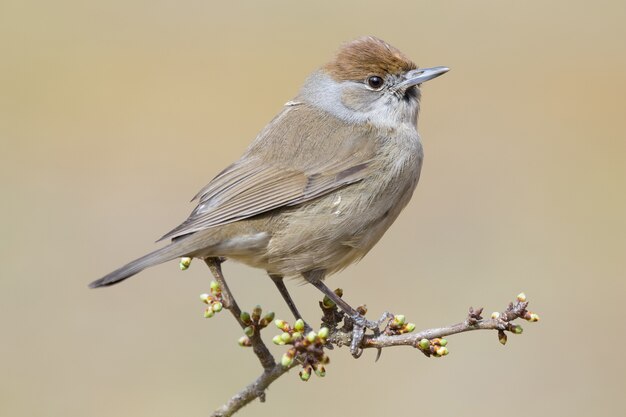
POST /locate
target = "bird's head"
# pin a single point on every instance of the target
(369, 81)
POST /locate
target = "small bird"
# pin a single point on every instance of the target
(321, 183)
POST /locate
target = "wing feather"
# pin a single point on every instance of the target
(262, 181)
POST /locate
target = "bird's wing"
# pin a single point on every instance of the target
(289, 163)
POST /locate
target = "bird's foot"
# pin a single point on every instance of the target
(360, 325)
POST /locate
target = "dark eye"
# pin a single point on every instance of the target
(375, 82)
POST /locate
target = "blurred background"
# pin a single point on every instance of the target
(114, 114)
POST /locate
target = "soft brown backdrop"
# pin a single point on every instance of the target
(113, 114)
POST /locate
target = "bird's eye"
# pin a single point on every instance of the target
(375, 82)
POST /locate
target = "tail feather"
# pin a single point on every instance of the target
(167, 253)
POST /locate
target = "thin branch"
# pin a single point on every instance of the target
(252, 391)
(429, 342)
(261, 351)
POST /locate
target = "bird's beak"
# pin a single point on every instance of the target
(421, 75)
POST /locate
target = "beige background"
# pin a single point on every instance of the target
(114, 113)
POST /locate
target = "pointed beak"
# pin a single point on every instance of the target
(421, 75)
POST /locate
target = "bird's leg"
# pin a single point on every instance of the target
(360, 322)
(278, 281)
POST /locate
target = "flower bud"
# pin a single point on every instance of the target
(245, 318)
(267, 319)
(282, 325)
(532, 317)
(184, 263)
(328, 303)
(424, 344)
(249, 331)
(305, 374)
(521, 297)
(256, 313)
(244, 341)
(323, 333)
(299, 325)
(502, 337)
(320, 371)
(286, 361)
(442, 351)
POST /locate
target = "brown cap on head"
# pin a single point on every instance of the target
(367, 56)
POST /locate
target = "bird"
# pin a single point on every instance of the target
(321, 183)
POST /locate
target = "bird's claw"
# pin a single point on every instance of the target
(359, 326)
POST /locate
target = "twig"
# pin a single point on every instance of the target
(252, 391)
(261, 351)
(429, 341)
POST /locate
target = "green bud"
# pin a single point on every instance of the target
(286, 361)
(296, 335)
(311, 336)
(443, 342)
(328, 303)
(204, 298)
(521, 297)
(320, 371)
(215, 287)
(184, 263)
(285, 337)
(517, 329)
(256, 313)
(245, 318)
(502, 338)
(424, 344)
(267, 319)
(244, 341)
(277, 340)
(249, 331)
(208, 313)
(217, 306)
(399, 319)
(533, 317)
(323, 333)
(299, 325)
(282, 325)
(305, 374)
(409, 327)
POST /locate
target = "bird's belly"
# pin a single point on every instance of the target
(334, 231)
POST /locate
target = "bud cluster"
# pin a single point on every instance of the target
(434, 347)
(254, 322)
(308, 348)
(398, 325)
(514, 311)
(213, 299)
